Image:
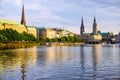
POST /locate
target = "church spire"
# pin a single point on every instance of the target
(23, 21)
(95, 28)
(82, 27)
(82, 20)
(94, 19)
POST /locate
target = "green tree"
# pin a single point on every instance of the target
(10, 35)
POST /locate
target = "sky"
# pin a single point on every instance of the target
(65, 14)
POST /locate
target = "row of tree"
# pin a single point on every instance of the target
(62, 39)
(10, 35)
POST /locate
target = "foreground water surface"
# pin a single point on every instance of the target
(82, 62)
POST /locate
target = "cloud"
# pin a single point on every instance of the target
(67, 13)
(32, 6)
(42, 12)
(73, 9)
(0, 5)
(109, 2)
(50, 19)
(12, 18)
(15, 2)
(18, 2)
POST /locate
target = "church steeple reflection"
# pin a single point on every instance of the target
(23, 70)
(82, 54)
(82, 61)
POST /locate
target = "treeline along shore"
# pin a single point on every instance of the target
(11, 39)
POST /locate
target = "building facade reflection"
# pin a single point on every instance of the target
(59, 54)
(12, 60)
(96, 57)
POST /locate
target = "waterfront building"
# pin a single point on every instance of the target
(91, 37)
(96, 37)
(95, 27)
(106, 36)
(58, 32)
(52, 32)
(117, 37)
(41, 32)
(71, 34)
(63, 33)
(32, 30)
(6, 24)
(67, 33)
(45, 32)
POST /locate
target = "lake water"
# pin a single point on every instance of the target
(82, 62)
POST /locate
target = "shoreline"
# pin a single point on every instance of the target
(6, 46)
(63, 44)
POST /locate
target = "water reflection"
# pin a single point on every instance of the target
(15, 60)
(82, 54)
(83, 62)
(23, 70)
(96, 52)
(59, 54)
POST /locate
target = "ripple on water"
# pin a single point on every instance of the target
(63, 63)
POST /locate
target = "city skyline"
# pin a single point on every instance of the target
(65, 14)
